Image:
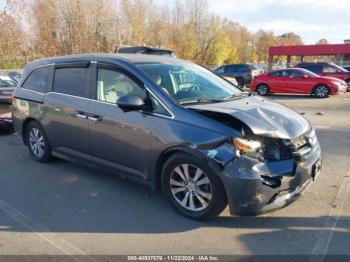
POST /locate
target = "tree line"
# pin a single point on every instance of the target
(40, 28)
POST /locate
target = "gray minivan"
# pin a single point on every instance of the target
(169, 124)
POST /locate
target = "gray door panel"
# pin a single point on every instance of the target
(120, 140)
(67, 127)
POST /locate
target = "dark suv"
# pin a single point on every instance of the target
(327, 69)
(167, 123)
(244, 73)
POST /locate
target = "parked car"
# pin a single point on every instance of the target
(6, 126)
(232, 80)
(244, 73)
(327, 69)
(297, 81)
(14, 75)
(171, 124)
(124, 49)
(347, 68)
(7, 86)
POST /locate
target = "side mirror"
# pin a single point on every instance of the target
(305, 76)
(129, 103)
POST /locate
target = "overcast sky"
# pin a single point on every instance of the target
(311, 19)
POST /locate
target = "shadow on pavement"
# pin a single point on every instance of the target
(64, 197)
(294, 97)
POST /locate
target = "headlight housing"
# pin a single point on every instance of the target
(245, 146)
(266, 149)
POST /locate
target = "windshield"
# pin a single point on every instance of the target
(340, 68)
(252, 67)
(187, 82)
(7, 83)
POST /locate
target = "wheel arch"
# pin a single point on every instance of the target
(263, 83)
(164, 156)
(25, 124)
(320, 84)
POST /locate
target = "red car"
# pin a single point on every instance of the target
(297, 81)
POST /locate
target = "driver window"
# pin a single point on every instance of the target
(282, 73)
(295, 74)
(184, 79)
(112, 84)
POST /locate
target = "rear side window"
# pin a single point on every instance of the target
(231, 69)
(38, 80)
(71, 81)
(313, 68)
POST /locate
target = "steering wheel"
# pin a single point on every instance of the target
(194, 87)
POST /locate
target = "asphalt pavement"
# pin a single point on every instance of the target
(64, 208)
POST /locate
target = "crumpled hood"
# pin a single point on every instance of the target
(263, 116)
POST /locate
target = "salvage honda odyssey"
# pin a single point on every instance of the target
(169, 124)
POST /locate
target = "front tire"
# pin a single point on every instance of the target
(321, 91)
(191, 187)
(263, 90)
(37, 142)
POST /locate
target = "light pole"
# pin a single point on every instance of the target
(251, 44)
(118, 28)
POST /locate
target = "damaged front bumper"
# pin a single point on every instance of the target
(254, 187)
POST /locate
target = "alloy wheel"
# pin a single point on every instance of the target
(37, 142)
(190, 187)
(321, 91)
(262, 90)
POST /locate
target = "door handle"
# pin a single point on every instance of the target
(81, 116)
(95, 118)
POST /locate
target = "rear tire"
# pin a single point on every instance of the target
(263, 90)
(321, 91)
(191, 187)
(37, 142)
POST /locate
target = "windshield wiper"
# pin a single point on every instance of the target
(201, 100)
(240, 94)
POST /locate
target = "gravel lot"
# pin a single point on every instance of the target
(63, 208)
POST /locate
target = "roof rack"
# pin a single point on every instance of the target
(126, 49)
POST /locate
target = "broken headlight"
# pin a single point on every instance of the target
(266, 149)
(276, 149)
(251, 148)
